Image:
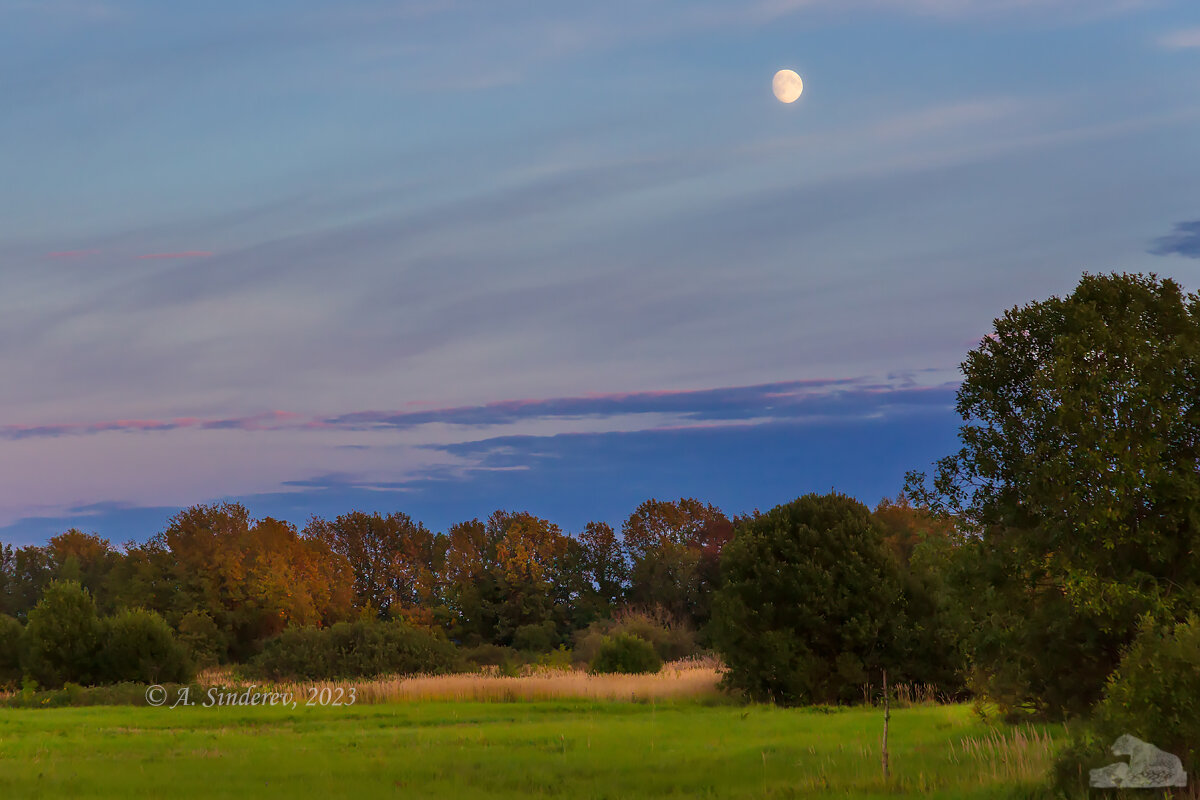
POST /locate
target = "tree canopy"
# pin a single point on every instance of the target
(1079, 475)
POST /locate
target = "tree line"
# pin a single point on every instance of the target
(220, 577)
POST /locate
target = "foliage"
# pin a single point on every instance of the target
(811, 603)
(670, 638)
(394, 559)
(626, 654)
(24, 574)
(503, 575)
(1155, 692)
(537, 637)
(62, 637)
(138, 646)
(1154, 695)
(1078, 473)
(10, 651)
(86, 558)
(298, 653)
(205, 643)
(355, 649)
(254, 577)
(930, 552)
(674, 550)
(506, 659)
(603, 566)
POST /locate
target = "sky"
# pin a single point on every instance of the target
(445, 257)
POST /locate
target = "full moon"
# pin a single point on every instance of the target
(787, 86)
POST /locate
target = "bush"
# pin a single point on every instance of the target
(625, 653)
(539, 638)
(1154, 695)
(10, 651)
(1155, 692)
(356, 649)
(506, 659)
(560, 658)
(205, 643)
(117, 694)
(61, 640)
(810, 605)
(1084, 752)
(297, 653)
(139, 647)
(671, 639)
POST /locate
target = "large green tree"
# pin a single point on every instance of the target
(61, 642)
(811, 606)
(1079, 478)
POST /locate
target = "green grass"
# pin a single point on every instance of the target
(506, 750)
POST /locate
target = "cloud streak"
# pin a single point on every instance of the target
(1183, 39)
(1184, 241)
(786, 400)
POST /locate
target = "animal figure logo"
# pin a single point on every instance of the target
(1148, 767)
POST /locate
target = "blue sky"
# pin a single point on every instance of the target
(445, 257)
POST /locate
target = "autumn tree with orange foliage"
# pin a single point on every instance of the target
(395, 561)
(674, 549)
(254, 577)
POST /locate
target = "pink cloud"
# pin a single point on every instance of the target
(720, 407)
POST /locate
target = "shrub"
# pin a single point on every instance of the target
(138, 647)
(297, 653)
(1084, 752)
(506, 659)
(356, 649)
(539, 638)
(1154, 695)
(62, 637)
(810, 604)
(626, 654)
(560, 658)
(205, 643)
(1155, 692)
(671, 639)
(10, 651)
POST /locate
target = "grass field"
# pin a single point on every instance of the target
(573, 749)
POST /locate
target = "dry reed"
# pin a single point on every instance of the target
(678, 680)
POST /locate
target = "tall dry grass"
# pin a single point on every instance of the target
(1021, 755)
(907, 695)
(690, 679)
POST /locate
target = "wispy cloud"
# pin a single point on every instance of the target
(182, 254)
(767, 10)
(1183, 240)
(1181, 39)
(825, 399)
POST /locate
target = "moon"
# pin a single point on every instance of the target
(787, 86)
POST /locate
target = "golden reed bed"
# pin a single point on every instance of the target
(678, 680)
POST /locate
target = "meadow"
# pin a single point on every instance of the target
(399, 743)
